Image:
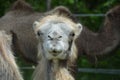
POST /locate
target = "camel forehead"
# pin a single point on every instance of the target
(55, 26)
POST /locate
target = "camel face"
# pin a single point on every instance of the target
(55, 40)
(113, 18)
(56, 31)
(56, 36)
(114, 15)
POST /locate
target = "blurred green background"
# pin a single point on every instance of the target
(111, 61)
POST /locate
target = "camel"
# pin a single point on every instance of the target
(57, 52)
(21, 16)
(103, 42)
(8, 67)
(19, 19)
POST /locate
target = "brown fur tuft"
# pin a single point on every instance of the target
(62, 11)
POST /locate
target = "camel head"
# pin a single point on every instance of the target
(113, 16)
(56, 33)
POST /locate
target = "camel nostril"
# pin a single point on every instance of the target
(60, 37)
(50, 37)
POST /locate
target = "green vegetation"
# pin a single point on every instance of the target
(92, 22)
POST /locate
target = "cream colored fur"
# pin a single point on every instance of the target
(8, 68)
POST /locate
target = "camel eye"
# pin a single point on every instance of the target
(39, 33)
(72, 34)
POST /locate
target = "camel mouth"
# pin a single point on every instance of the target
(61, 56)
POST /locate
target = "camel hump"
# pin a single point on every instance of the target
(21, 5)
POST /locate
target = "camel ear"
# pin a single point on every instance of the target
(78, 29)
(35, 24)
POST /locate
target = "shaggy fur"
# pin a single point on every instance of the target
(8, 67)
(59, 69)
